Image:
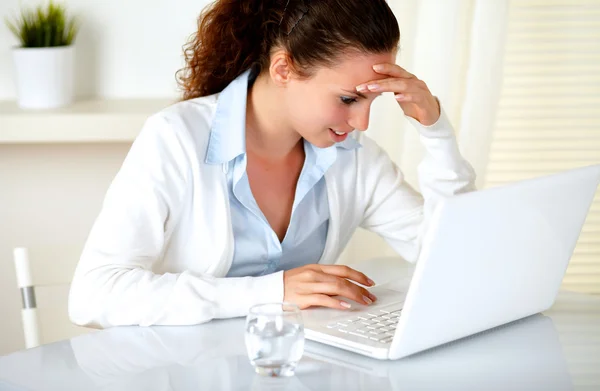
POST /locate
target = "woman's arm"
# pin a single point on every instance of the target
(114, 283)
(395, 210)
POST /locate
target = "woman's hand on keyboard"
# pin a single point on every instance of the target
(313, 286)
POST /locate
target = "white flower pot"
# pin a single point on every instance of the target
(44, 76)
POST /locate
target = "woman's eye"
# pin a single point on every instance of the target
(347, 100)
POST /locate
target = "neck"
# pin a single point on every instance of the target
(268, 134)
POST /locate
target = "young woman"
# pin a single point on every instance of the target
(248, 189)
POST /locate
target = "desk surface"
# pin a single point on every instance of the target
(556, 350)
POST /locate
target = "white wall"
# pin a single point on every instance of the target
(49, 197)
(125, 48)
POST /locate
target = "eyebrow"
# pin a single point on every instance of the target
(359, 93)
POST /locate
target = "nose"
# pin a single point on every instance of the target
(360, 119)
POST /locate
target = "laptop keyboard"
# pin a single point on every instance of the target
(376, 325)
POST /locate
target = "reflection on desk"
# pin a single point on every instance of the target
(558, 350)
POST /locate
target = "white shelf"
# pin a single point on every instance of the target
(86, 121)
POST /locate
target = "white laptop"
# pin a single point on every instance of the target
(488, 258)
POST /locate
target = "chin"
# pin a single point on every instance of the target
(319, 142)
(322, 143)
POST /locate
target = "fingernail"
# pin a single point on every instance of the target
(378, 67)
(371, 282)
(373, 87)
(369, 301)
(399, 96)
(373, 297)
(344, 304)
(361, 88)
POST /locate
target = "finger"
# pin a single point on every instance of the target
(392, 85)
(315, 275)
(408, 98)
(394, 70)
(347, 272)
(373, 85)
(343, 288)
(312, 276)
(319, 300)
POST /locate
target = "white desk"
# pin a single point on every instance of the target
(557, 350)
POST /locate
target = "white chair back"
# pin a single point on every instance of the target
(44, 310)
(28, 304)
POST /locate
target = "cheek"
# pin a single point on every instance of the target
(329, 114)
(316, 114)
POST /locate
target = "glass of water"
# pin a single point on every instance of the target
(274, 338)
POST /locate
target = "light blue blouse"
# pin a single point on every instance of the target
(257, 247)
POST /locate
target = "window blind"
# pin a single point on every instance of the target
(548, 118)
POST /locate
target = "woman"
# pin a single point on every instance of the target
(248, 190)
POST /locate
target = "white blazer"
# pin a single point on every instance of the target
(159, 250)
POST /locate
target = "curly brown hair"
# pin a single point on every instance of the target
(235, 35)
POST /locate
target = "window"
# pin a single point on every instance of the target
(548, 119)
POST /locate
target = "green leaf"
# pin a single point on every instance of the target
(44, 26)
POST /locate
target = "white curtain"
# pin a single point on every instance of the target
(456, 47)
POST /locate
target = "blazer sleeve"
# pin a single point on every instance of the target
(114, 283)
(395, 210)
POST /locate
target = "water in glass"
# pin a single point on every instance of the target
(275, 338)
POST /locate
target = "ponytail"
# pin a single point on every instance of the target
(232, 36)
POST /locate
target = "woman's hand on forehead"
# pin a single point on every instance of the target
(412, 94)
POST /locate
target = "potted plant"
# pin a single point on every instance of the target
(45, 60)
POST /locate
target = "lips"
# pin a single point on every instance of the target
(338, 138)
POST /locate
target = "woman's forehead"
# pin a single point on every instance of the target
(352, 71)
